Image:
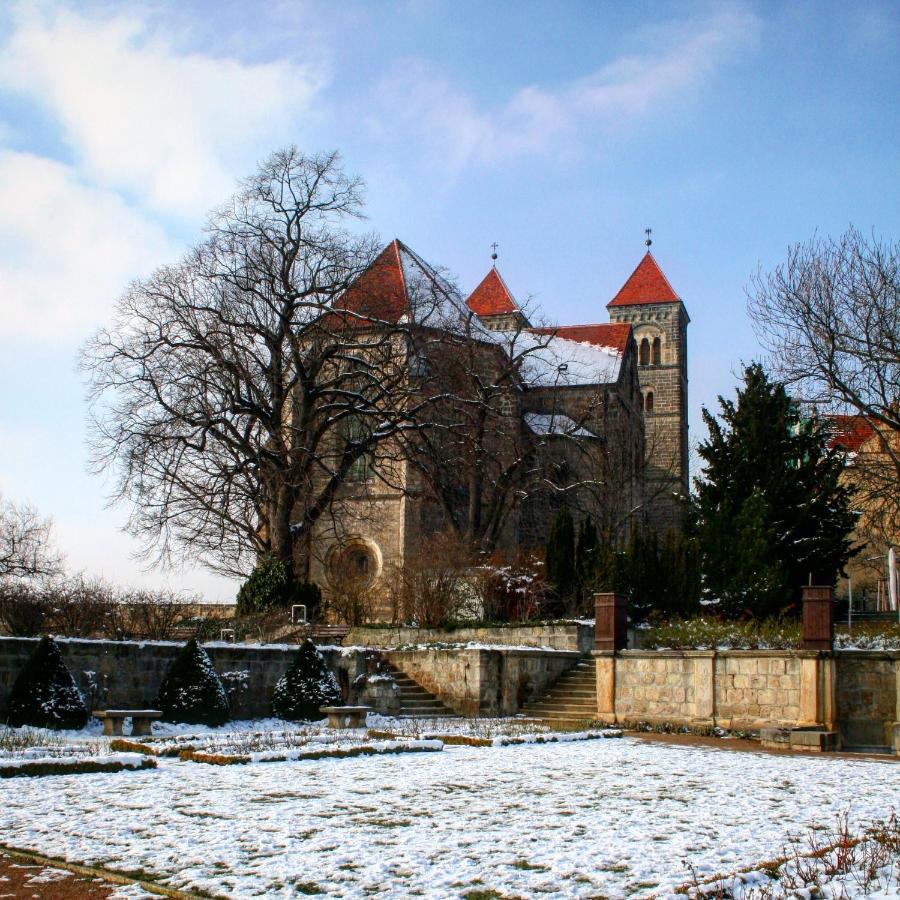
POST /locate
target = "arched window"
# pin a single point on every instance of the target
(648, 402)
(657, 351)
(645, 352)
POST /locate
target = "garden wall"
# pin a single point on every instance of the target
(127, 674)
(477, 682)
(856, 692)
(561, 636)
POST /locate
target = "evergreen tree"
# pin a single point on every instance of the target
(192, 691)
(306, 686)
(45, 694)
(271, 585)
(560, 556)
(771, 511)
(586, 552)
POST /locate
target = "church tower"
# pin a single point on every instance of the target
(659, 322)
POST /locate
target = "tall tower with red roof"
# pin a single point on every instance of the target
(659, 321)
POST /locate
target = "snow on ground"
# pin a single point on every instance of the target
(616, 817)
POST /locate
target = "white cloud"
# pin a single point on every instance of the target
(412, 98)
(171, 128)
(67, 250)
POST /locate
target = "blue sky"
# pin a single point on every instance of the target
(559, 130)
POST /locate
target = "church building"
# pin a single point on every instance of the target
(598, 411)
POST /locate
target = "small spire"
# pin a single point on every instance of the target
(494, 247)
(649, 241)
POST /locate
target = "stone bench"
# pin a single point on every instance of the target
(141, 719)
(346, 716)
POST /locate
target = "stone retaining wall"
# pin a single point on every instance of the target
(854, 691)
(127, 674)
(868, 696)
(563, 636)
(474, 682)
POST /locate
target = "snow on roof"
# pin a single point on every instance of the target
(614, 336)
(555, 423)
(547, 360)
(646, 284)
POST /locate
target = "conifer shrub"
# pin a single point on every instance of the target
(307, 685)
(192, 692)
(45, 694)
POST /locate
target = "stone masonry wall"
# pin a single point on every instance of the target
(867, 696)
(856, 692)
(752, 687)
(658, 687)
(571, 636)
(128, 674)
(475, 682)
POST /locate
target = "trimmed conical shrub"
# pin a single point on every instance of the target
(307, 685)
(45, 694)
(192, 692)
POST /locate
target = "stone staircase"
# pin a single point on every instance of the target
(570, 700)
(415, 701)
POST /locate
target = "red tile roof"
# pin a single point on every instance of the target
(380, 292)
(647, 284)
(607, 335)
(492, 297)
(848, 432)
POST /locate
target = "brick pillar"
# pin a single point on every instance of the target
(611, 629)
(818, 618)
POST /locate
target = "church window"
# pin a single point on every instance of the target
(355, 564)
(657, 351)
(648, 402)
(645, 352)
(361, 467)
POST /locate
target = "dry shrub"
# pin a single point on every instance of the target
(24, 609)
(351, 600)
(435, 588)
(512, 592)
(81, 607)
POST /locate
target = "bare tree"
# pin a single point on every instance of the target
(26, 546)
(830, 318)
(231, 397)
(517, 424)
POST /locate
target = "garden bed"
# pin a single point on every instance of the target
(73, 765)
(373, 748)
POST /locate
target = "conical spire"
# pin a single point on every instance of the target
(492, 297)
(646, 284)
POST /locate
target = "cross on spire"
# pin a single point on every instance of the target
(649, 240)
(494, 247)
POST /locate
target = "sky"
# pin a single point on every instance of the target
(560, 130)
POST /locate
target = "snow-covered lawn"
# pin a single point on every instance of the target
(612, 817)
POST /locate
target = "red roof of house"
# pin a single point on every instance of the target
(647, 284)
(492, 297)
(849, 432)
(606, 335)
(380, 292)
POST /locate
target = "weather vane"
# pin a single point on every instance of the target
(648, 231)
(494, 247)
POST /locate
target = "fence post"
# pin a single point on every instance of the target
(611, 622)
(818, 618)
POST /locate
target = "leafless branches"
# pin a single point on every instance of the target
(26, 548)
(830, 318)
(229, 398)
